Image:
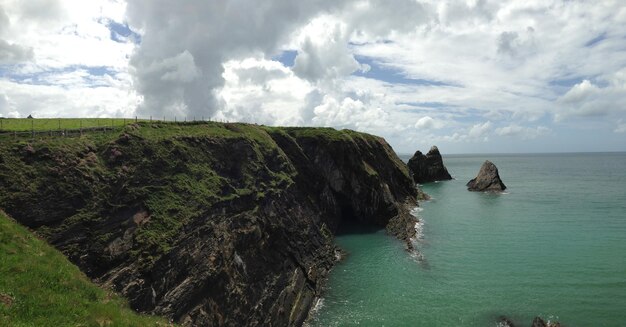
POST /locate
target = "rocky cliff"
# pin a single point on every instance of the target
(207, 224)
(428, 168)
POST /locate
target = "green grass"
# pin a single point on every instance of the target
(176, 171)
(320, 132)
(40, 287)
(47, 124)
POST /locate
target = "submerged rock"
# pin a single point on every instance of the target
(428, 168)
(487, 179)
(504, 321)
(538, 322)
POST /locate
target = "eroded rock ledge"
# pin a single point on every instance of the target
(208, 224)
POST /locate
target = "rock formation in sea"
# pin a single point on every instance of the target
(504, 321)
(487, 180)
(428, 168)
(538, 322)
(207, 224)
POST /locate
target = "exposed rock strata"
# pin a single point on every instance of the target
(428, 168)
(487, 180)
(228, 226)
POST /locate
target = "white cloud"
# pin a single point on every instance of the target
(480, 130)
(6, 110)
(14, 53)
(621, 127)
(213, 32)
(62, 60)
(349, 113)
(587, 99)
(262, 91)
(428, 69)
(323, 53)
(428, 122)
(62, 101)
(524, 133)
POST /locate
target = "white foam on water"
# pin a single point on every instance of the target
(417, 255)
(419, 230)
(415, 211)
(315, 310)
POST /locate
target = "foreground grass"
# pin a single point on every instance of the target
(40, 287)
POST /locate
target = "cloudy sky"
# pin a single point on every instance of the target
(466, 75)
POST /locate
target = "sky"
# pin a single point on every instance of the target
(470, 76)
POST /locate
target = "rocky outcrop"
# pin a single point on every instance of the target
(487, 180)
(503, 321)
(538, 322)
(207, 224)
(428, 168)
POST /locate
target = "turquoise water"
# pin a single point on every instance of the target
(553, 246)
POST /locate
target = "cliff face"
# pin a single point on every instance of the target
(428, 168)
(208, 224)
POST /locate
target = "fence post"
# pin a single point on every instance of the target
(150, 119)
(135, 119)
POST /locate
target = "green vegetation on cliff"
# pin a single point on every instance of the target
(163, 167)
(202, 222)
(39, 287)
(47, 124)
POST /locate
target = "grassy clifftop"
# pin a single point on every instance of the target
(40, 287)
(202, 222)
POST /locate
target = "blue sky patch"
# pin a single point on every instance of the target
(426, 104)
(121, 32)
(389, 75)
(561, 86)
(45, 78)
(596, 40)
(287, 58)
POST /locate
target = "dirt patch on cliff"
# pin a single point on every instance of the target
(6, 300)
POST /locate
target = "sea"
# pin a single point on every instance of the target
(553, 245)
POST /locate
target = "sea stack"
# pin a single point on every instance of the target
(488, 179)
(428, 168)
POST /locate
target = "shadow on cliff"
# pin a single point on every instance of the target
(354, 227)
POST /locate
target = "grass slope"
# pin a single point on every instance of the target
(40, 287)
